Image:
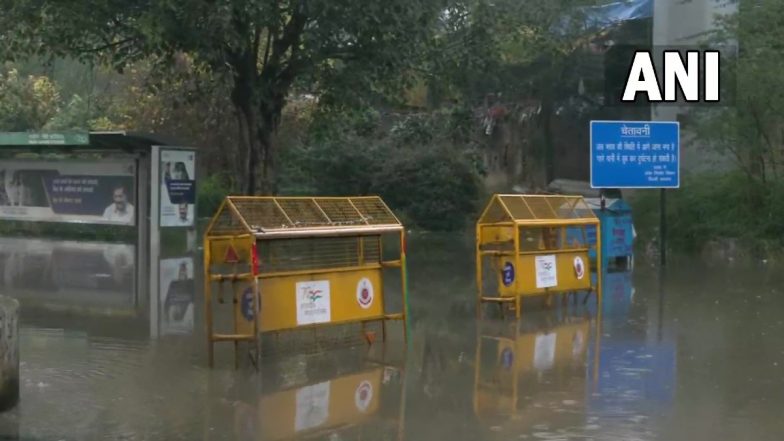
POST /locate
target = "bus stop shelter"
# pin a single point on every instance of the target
(136, 183)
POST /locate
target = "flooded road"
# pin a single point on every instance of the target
(693, 355)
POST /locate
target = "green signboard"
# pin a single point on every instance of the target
(44, 138)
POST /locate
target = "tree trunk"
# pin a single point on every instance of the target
(246, 124)
(259, 99)
(257, 127)
(265, 128)
(242, 98)
(549, 143)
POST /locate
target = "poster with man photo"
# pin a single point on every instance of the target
(98, 192)
(177, 291)
(178, 188)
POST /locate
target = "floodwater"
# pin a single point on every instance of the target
(694, 355)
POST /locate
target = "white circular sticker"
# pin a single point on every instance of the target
(579, 267)
(363, 396)
(365, 293)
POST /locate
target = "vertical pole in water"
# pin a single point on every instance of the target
(661, 305)
(517, 300)
(208, 301)
(479, 281)
(404, 281)
(9, 353)
(155, 239)
(663, 227)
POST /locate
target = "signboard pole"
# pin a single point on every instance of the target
(663, 226)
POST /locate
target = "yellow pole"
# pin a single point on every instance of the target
(257, 318)
(599, 276)
(479, 281)
(236, 296)
(518, 302)
(254, 264)
(401, 427)
(208, 300)
(597, 348)
(404, 281)
(599, 268)
(478, 365)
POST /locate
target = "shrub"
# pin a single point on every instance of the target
(436, 188)
(712, 206)
(210, 192)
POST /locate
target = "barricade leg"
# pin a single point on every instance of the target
(234, 302)
(208, 319)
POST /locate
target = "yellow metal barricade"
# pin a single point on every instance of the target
(522, 248)
(300, 262)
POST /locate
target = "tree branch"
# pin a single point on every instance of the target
(267, 47)
(106, 46)
(765, 137)
(256, 41)
(290, 36)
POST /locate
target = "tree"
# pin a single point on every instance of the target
(751, 129)
(517, 51)
(263, 48)
(27, 103)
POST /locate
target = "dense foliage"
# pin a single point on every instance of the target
(259, 47)
(419, 164)
(326, 97)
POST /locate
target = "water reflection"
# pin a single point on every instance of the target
(56, 280)
(348, 394)
(176, 307)
(636, 369)
(69, 276)
(533, 373)
(693, 356)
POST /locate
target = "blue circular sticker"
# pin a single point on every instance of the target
(246, 304)
(507, 357)
(508, 273)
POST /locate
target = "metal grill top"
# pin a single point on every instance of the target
(298, 216)
(518, 208)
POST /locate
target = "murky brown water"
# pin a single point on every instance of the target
(697, 355)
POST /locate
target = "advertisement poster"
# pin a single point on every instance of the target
(68, 191)
(176, 296)
(546, 276)
(90, 277)
(313, 302)
(178, 188)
